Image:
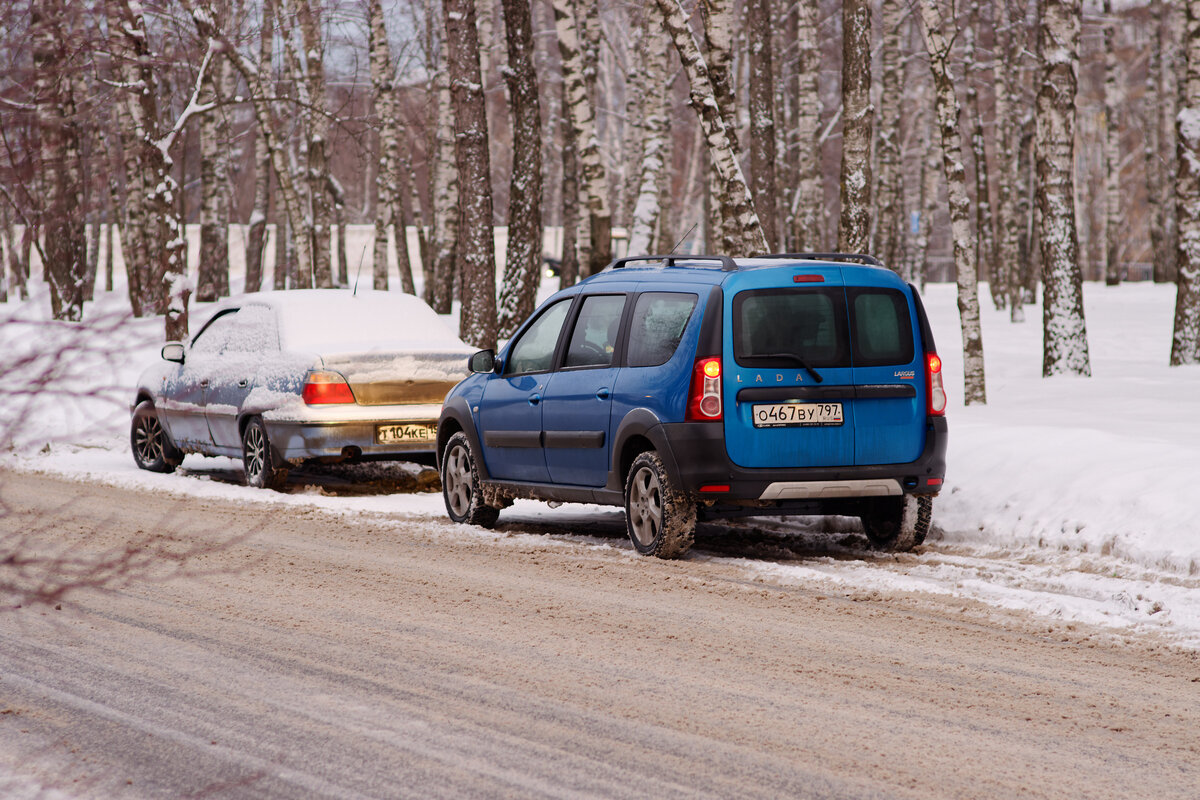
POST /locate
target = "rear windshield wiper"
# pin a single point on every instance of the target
(795, 359)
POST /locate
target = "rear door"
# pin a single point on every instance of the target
(889, 376)
(789, 386)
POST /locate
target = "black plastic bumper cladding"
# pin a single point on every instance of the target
(699, 452)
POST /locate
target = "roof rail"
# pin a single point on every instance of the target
(727, 263)
(862, 258)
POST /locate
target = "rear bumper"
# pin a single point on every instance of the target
(704, 469)
(323, 435)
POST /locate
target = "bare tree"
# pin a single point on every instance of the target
(1064, 344)
(646, 210)
(808, 200)
(985, 235)
(750, 239)
(213, 278)
(256, 237)
(388, 172)
(1113, 101)
(762, 121)
(1185, 340)
(1006, 83)
(947, 108)
(854, 229)
(523, 259)
(889, 214)
(439, 287)
(478, 321)
(720, 24)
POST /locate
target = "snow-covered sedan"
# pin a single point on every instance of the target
(277, 378)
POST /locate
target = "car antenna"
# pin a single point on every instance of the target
(684, 239)
(358, 273)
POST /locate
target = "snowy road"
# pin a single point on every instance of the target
(343, 650)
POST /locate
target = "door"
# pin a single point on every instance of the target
(250, 347)
(510, 410)
(577, 401)
(185, 392)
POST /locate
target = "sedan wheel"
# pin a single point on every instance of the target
(660, 519)
(460, 485)
(258, 459)
(152, 450)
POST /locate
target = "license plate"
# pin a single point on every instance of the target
(777, 415)
(409, 432)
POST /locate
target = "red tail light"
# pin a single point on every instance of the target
(704, 396)
(323, 387)
(933, 379)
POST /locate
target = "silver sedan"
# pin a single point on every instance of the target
(278, 378)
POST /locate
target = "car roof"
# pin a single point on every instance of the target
(343, 320)
(713, 270)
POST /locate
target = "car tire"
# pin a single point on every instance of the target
(898, 524)
(263, 469)
(152, 449)
(460, 485)
(659, 518)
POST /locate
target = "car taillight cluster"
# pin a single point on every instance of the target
(704, 396)
(324, 387)
(933, 379)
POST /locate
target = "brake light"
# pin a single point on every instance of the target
(933, 379)
(323, 387)
(704, 396)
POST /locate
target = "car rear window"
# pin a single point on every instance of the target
(658, 322)
(882, 328)
(772, 325)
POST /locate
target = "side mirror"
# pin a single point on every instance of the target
(483, 361)
(173, 351)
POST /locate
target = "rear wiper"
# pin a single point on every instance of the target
(795, 359)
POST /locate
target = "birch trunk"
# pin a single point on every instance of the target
(854, 228)
(523, 258)
(654, 117)
(213, 276)
(581, 111)
(750, 239)
(808, 203)
(478, 285)
(65, 243)
(445, 198)
(380, 57)
(1185, 340)
(318, 126)
(1065, 347)
(255, 239)
(889, 215)
(985, 236)
(1174, 61)
(1006, 90)
(1111, 228)
(763, 152)
(947, 110)
(568, 271)
(719, 27)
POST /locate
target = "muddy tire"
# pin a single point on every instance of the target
(263, 468)
(460, 485)
(152, 449)
(659, 518)
(898, 524)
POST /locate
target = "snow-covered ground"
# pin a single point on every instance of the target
(1071, 497)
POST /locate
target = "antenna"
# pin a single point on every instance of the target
(685, 236)
(358, 272)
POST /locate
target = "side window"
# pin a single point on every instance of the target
(658, 322)
(254, 331)
(534, 351)
(216, 334)
(882, 329)
(596, 329)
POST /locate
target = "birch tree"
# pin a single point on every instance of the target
(380, 57)
(478, 286)
(213, 276)
(440, 286)
(1113, 102)
(985, 238)
(580, 110)
(646, 209)
(1064, 343)
(808, 201)
(948, 112)
(719, 27)
(317, 124)
(1006, 84)
(889, 215)
(256, 235)
(523, 257)
(65, 249)
(749, 239)
(854, 228)
(1185, 340)
(762, 121)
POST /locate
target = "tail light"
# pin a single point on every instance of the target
(933, 380)
(324, 387)
(704, 396)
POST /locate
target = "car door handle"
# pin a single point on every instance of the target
(243, 383)
(204, 382)
(602, 394)
(534, 399)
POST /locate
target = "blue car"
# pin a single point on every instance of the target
(700, 387)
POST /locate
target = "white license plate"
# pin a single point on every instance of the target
(776, 415)
(409, 432)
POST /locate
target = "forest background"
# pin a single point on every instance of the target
(1033, 144)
